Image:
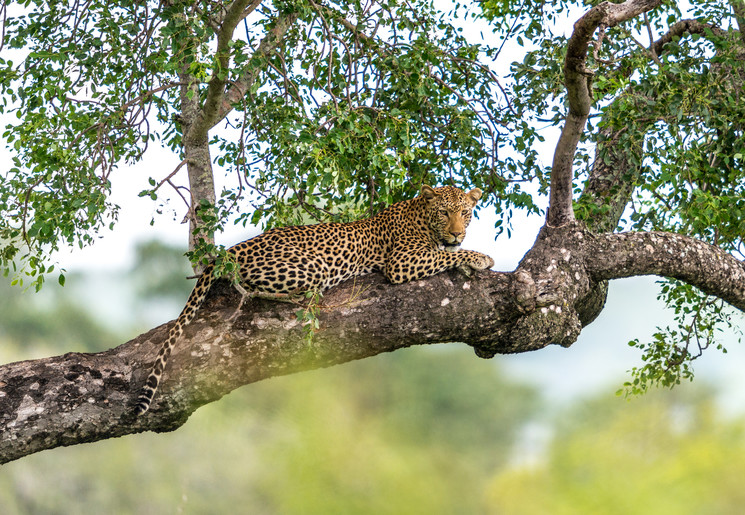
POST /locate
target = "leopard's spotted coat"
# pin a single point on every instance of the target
(406, 241)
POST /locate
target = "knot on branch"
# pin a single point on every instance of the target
(548, 312)
(551, 288)
(556, 323)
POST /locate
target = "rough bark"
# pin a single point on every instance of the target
(704, 266)
(77, 398)
(197, 155)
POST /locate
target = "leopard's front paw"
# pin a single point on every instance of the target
(482, 262)
(475, 261)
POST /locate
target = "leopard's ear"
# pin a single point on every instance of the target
(474, 195)
(428, 193)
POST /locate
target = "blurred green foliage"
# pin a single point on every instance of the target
(54, 319)
(418, 431)
(158, 272)
(665, 453)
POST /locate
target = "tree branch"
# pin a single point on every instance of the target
(614, 173)
(78, 398)
(198, 119)
(210, 112)
(267, 47)
(680, 29)
(578, 81)
(708, 268)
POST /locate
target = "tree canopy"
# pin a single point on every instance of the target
(309, 113)
(327, 110)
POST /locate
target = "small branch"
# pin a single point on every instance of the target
(598, 45)
(148, 94)
(170, 175)
(4, 15)
(189, 211)
(267, 47)
(680, 29)
(652, 50)
(24, 216)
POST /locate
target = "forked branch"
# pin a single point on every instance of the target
(578, 81)
(268, 46)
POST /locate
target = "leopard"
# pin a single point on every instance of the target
(407, 241)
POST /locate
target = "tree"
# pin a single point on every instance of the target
(328, 110)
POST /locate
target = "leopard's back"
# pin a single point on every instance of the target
(309, 257)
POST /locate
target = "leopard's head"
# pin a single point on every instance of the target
(448, 212)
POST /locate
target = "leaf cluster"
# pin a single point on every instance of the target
(362, 104)
(79, 80)
(668, 358)
(355, 116)
(669, 453)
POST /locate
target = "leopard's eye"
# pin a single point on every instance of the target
(464, 212)
(444, 212)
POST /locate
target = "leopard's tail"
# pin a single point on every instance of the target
(187, 314)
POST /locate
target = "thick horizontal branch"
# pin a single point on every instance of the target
(704, 266)
(555, 292)
(77, 398)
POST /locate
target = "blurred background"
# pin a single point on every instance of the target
(424, 430)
